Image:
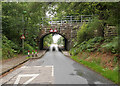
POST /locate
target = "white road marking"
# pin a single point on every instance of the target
(37, 66)
(25, 75)
(98, 82)
(48, 66)
(31, 75)
(34, 66)
(52, 70)
(31, 66)
(23, 67)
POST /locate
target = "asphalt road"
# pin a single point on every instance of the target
(53, 68)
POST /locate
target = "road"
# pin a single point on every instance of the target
(53, 68)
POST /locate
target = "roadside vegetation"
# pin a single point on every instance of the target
(96, 51)
(18, 19)
(99, 55)
(48, 40)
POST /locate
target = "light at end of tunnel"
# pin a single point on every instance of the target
(56, 37)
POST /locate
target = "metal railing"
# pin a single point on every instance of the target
(68, 19)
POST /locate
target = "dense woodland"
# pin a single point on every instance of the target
(26, 18)
(21, 18)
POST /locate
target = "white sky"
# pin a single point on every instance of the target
(50, 15)
(56, 37)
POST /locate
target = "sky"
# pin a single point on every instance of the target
(56, 36)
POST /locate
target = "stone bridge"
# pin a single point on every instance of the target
(67, 30)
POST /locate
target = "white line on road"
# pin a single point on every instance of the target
(34, 66)
(52, 70)
(25, 75)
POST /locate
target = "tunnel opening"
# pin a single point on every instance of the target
(48, 39)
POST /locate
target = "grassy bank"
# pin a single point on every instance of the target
(110, 74)
(99, 54)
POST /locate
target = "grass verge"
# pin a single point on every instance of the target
(110, 74)
(28, 57)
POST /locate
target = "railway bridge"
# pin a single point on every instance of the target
(67, 28)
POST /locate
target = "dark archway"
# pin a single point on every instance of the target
(42, 39)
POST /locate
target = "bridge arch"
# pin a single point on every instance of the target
(41, 40)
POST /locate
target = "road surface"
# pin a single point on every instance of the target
(53, 68)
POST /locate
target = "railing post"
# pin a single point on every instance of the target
(71, 19)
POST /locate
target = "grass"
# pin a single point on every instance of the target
(110, 74)
(28, 57)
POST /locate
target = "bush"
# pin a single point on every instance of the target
(7, 48)
(87, 31)
(74, 51)
(111, 46)
(82, 34)
(28, 47)
(90, 46)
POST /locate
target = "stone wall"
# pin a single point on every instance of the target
(110, 31)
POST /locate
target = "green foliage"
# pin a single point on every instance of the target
(74, 51)
(60, 41)
(15, 17)
(84, 55)
(115, 60)
(28, 47)
(90, 45)
(111, 46)
(105, 11)
(0, 54)
(97, 43)
(82, 34)
(8, 48)
(87, 31)
(48, 40)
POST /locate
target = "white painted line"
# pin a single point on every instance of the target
(31, 66)
(24, 67)
(52, 71)
(25, 75)
(34, 76)
(36, 66)
(48, 66)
